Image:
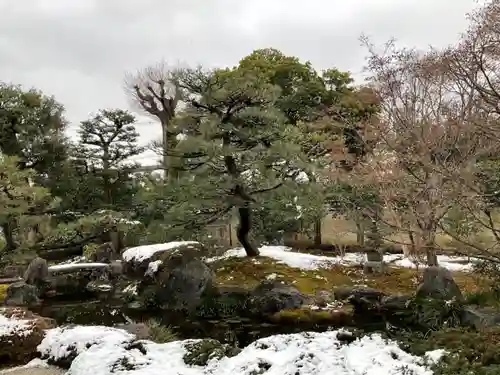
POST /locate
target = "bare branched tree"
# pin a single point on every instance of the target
(474, 65)
(427, 144)
(155, 91)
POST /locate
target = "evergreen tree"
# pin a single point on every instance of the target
(107, 143)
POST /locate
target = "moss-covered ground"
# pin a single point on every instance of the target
(248, 272)
(3, 291)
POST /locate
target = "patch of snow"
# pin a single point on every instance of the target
(35, 363)
(307, 353)
(77, 266)
(144, 252)
(446, 261)
(153, 267)
(286, 255)
(131, 289)
(60, 342)
(434, 356)
(181, 137)
(11, 326)
(302, 178)
(272, 276)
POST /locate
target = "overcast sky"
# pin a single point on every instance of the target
(79, 50)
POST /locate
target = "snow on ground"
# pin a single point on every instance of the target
(452, 263)
(302, 353)
(141, 253)
(76, 266)
(306, 261)
(18, 327)
(34, 367)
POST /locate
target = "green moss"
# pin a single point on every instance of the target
(3, 291)
(249, 272)
(304, 315)
(89, 250)
(200, 352)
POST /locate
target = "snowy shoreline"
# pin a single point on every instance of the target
(305, 261)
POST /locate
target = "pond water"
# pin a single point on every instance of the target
(235, 330)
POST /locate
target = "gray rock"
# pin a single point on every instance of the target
(75, 279)
(374, 256)
(21, 294)
(371, 267)
(140, 330)
(322, 298)
(103, 253)
(270, 297)
(179, 284)
(369, 294)
(116, 268)
(479, 317)
(374, 262)
(438, 283)
(396, 302)
(136, 268)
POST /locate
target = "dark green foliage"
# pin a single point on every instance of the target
(102, 157)
(32, 128)
(470, 352)
(201, 352)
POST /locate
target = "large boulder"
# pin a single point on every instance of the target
(270, 297)
(438, 283)
(78, 278)
(180, 283)
(172, 276)
(480, 317)
(144, 260)
(357, 293)
(20, 334)
(140, 330)
(21, 294)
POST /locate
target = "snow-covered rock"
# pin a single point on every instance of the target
(63, 344)
(140, 253)
(20, 333)
(145, 260)
(102, 351)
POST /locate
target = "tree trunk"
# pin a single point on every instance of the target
(360, 231)
(106, 177)
(430, 248)
(165, 161)
(430, 253)
(8, 232)
(243, 231)
(317, 231)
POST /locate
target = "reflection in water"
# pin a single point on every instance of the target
(236, 330)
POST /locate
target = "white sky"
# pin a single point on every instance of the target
(79, 50)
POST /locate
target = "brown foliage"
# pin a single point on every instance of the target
(430, 135)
